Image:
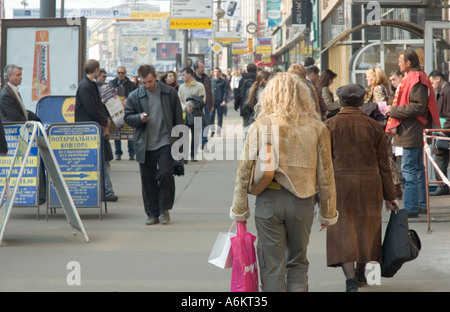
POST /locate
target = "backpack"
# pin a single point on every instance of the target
(243, 91)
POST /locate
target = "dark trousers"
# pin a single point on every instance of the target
(158, 182)
(442, 160)
(196, 139)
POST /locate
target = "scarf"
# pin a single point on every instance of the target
(402, 98)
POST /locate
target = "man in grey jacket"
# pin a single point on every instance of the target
(154, 109)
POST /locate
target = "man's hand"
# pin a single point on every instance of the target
(144, 117)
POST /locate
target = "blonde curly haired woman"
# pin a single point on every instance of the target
(284, 211)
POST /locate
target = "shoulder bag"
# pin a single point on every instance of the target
(263, 170)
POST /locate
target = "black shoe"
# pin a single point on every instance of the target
(112, 198)
(412, 214)
(441, 192)
(132, 157)
(351, 285)
(152, 220)
(422, 210)
(360, 279)
(118, 157)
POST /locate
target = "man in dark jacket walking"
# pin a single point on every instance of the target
(245, 83)
(89, 107)
(154, 109)
(220, 92)
(123, 86)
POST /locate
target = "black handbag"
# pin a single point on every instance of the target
(178, 168)
(443, 144)
(400, 244)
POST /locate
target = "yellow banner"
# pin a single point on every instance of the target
(73, 142)
(150, 15)
(201, 23)
(265, 49)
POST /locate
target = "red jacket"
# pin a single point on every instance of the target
(402, 98)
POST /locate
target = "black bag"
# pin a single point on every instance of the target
(178, 168)
(400, 244)
(443, 144)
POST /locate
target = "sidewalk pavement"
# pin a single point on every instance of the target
(125, 255)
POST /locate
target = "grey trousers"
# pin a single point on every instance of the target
(283, 223)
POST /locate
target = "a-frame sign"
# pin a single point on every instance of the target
(31, 132)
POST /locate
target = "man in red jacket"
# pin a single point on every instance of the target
(411, 112)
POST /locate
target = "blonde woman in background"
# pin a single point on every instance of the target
(379, 85)
(285, 210)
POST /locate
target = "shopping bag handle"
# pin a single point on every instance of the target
(241, 228)
(232, 224)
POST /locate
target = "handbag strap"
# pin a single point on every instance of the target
(266, 121)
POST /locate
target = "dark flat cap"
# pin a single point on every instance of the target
(351, 94)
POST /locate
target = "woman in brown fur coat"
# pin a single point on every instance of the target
(363, 178)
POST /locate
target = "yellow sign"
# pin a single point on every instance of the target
(264, 49)
(239, 51)
(228, 40)
(217, 48)
(201, 23)
(150, 15)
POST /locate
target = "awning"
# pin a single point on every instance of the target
(405, 25)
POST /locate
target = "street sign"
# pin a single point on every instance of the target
(28, 192)
(30, 132)
(217, 48)
(224, 36)
(77, 150)
(191, 23)
(191, 9)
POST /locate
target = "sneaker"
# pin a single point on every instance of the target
(132, 157)
(152, 220)
(118, 157)
(112, 198)
(164, 218)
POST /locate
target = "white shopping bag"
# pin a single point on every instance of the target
(221, 255)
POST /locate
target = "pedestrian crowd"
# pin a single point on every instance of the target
(350, 151)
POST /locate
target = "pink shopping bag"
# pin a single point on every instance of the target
(244, 272)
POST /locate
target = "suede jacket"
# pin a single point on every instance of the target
(303, 156)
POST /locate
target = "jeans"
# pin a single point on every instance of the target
(118, 146)
(107, 179)
(413, 171)
(212, 116)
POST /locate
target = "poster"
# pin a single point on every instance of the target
(51, 53)
(77, 150)
(27, 194)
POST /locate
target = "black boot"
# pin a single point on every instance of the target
(360, 279)
(351, 285)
